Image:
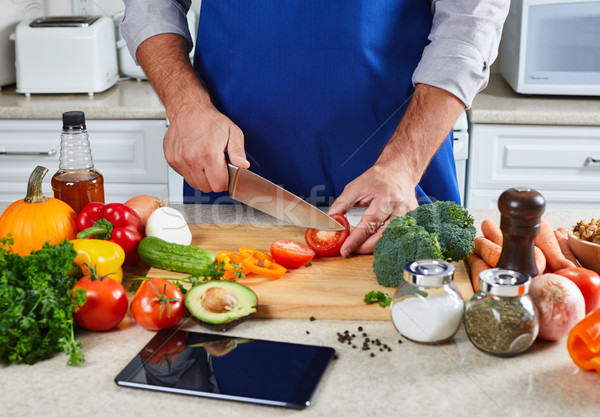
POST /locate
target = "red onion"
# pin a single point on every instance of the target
(560, 305)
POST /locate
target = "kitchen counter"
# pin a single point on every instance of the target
(412, 380)
(128, 99)
(498, 103)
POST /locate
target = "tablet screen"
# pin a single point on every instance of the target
(233, 368)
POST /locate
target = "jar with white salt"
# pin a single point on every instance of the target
(427, 307)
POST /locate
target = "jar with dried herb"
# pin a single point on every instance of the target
(501, 318)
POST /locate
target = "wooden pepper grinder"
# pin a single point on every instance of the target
(521, 210)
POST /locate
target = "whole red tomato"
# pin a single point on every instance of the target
(105, 305)
(328, 243)
(157, 304)
(588, 282)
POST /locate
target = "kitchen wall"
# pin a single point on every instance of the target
(99, 7)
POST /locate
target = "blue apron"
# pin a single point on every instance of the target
(317, 87)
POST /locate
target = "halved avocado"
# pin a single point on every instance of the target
(220, 305)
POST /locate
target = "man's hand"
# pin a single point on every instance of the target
(387, 189)
(195, 143)
(385, 194)
(198, 134)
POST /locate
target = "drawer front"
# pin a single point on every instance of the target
(124, 151)
(548, 157)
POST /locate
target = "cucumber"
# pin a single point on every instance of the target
(159, 253)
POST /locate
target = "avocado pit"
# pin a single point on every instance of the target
(218, 300)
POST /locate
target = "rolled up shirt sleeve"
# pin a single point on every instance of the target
(146, 18)
(465, 36)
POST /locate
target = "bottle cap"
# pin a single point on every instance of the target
(73, 120)
(504, 282)
(428, 272)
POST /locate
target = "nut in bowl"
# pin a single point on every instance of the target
(587, 253)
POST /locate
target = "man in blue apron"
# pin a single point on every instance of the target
(344, 103)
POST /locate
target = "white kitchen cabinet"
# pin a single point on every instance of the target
(561, 162)
(128, 153)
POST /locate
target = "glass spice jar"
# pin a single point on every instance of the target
(501, 318)
(427, 307)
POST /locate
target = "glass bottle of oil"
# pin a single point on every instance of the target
(76, 182)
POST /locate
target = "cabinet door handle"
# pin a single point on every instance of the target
(51, 152)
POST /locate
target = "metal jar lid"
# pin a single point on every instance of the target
(428, 272)
(504, 282)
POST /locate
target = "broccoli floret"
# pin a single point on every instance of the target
(452, 223)
(401, 242)
(441, 230)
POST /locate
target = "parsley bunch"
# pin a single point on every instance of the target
(36, 304)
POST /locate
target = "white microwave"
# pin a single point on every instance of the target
(552, 47)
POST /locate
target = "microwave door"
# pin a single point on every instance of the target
(562, 48)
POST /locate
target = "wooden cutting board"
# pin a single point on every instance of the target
(331, 288)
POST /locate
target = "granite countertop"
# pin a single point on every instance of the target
(412, 380)
(128, 99)
(498, 103)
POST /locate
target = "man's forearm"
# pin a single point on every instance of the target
(427, 121)
(164, 59)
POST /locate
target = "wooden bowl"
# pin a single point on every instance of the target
(587, 253)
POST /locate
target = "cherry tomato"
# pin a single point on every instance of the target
(328, 243)
(105, 305)
(291, 254)
(588, 282)
(157, 304)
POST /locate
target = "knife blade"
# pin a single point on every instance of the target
(263, 195)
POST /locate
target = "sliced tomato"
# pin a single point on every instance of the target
(234, 262)
(328, 243)
(266, 265)
(290, 253)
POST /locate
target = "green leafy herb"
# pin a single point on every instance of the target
(37, 304)
(383, 299)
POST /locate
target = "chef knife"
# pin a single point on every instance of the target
(261, 194)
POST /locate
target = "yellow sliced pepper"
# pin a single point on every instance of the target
(106, 256)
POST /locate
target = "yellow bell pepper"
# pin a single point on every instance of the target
(106, 256)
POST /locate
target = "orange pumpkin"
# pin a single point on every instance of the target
(37, 219)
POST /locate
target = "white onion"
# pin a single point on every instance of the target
(170, 225)
(559, 303)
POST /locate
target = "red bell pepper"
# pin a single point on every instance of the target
(114, 222)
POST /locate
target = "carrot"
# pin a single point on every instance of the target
(487, 250)
(547, 242)
(539, 259)
(476, 266)
(492, 231)
(563, 243)
(563, 230)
